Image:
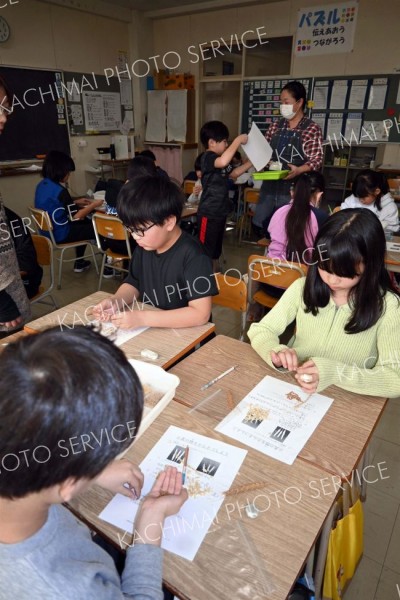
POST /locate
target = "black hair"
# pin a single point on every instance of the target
(298, 219)
(213, 130)
(148, 154)
(149, 200)
(298, 91)
(8, 96)
(57, 165)
(139, 166)
(70, 402)
(366, 182)
(197, 162)
(348, 239)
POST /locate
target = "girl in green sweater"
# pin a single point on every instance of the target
(347, 314)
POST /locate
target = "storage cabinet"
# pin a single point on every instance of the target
(341, 166)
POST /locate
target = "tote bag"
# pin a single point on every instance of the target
(345, 546)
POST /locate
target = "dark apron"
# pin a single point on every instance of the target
(287, 148)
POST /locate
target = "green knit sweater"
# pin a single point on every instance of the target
(366, 362)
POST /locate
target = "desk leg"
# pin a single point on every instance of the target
(322, 552)
(363, 464)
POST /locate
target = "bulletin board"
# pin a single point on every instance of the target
(38, 122)
(97, 105)
(261, 99)
(363, 108)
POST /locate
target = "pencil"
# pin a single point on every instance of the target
(210, 383)
(185, 460)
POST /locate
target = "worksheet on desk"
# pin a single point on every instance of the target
(276, 418)
(211, 469)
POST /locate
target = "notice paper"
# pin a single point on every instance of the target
(257, 148)
(211, 469)
(276, 418)
(156, 116)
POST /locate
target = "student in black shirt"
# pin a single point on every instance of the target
(169, 268)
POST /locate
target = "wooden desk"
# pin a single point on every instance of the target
(189, 210)
(338, 443)
(170, 344)
(392, 260)
(114, 163)
(281, 536)
(12, 338)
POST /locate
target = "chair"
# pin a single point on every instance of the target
(250, 196)
(274, 272)
(43, 222)
(232, 294)
(45, 257)
(188, 186)
(336, 209)
(112, 228)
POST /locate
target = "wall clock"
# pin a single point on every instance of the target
(4, 30)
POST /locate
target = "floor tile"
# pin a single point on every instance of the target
(388, 586)
(388, 428)
(380, 511)
(392, 560)
(388, 455)
(365, 581)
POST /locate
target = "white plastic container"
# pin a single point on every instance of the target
(160, 380)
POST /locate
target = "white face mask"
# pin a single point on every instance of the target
(286, 111)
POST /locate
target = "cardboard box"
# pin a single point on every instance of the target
(189, 81)
(174, 82)
(159, 78)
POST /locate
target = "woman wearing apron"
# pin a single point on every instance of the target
(297, 143)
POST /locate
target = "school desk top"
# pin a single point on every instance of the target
(339, 441)
(238, 551)
(170, 344)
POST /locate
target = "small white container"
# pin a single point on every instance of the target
(160, 380)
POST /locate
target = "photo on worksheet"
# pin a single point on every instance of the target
(177, 455)
(208, 466)
(255, 416)
(279, 434)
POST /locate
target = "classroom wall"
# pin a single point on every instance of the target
(53, 37)
(376, 42)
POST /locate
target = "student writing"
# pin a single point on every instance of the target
(371, 190)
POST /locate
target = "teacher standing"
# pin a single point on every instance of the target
(297, 143)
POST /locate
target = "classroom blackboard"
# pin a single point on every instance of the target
(38, 121)
(358, 108)
(261, 99)
(97, 104)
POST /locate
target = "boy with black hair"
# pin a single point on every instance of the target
(215, 204)
(169, 268)
(49, 454)
(149, 154)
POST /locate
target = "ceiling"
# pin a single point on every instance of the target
(154, 8)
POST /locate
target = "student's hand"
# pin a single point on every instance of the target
(121, 472)
(165, 499)
(104, 310)
(128, 319)
(308, 371)
(13, 323)
(243, 138)
(197, 189)
(287, 359)
(81, 202)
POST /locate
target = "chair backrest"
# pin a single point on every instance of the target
(232, 292)
(44, 250)
(275, 272)
(251, 196)
(336, 209)
(188, 186)
(42, 219)
(110, 227)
